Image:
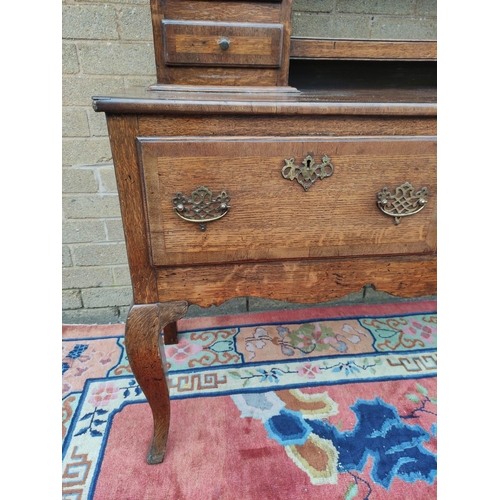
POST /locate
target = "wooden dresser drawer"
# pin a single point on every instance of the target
(274, 218)
(203, 43)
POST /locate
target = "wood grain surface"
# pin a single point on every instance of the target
(305, 282)
(360, 102)
(274, 218)
(122, 133)
(197, 43)
(147, 360)
(320, 48)
(264, 53)
(279, 126)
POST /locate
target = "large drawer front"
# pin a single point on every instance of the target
(275, 218)
(199, 43)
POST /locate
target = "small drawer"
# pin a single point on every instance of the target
(288, 198)
(200, 43)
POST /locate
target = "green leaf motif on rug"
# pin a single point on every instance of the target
(422, 401)
(403, 333)
(421, 390)
(413, 398)
(351, 492)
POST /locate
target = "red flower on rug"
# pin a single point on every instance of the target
(426, 333)
(103, 394)
(182, 351)
(308, 370)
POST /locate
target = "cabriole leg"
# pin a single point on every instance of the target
(146, 356)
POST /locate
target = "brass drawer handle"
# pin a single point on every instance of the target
(405, 201)
(307, 175)
(201, 207)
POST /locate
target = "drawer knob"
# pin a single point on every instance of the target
(201, 207)
(405, 201)
(309, 173)
(224, 44)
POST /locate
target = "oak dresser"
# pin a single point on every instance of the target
(263, 165)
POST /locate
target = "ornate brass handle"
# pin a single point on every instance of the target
(405, 201)
(307, 175)
(201, 207)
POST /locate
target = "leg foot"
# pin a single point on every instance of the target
(147, 360)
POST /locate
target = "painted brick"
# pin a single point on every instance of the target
(136, 23)
(117, 58)
(71, 299)
(115, 229)
(100, 254)
(124, 310)
(121, 276)
(69, 59)
(80, 151)
(97, 122)
(427, 8)
(83, 231)
(78, 90)
(75, 123)
(107, 296)
(348, 26)
(79, 180)
(100, 316)
(305, 24)
(312, 5)
(107, 179)
(66, 257)
(408, 29)
(394, 7)
(90, 206)
(140, 81)
(89, 22)
(87, 277)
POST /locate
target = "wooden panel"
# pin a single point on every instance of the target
(317, 48)
(304, 282)
(364, 102)
(208, 75)
(197, 43)
(229, 11)
(206, 12)
(173, 125)
(123, 131)
(273, 218)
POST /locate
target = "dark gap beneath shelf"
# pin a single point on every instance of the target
(324, 74)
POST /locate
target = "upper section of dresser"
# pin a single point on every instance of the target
(213, 42)
(250, 43)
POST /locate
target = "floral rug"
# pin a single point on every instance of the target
(320, 403)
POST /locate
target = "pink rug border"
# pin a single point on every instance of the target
(206, 322)
(92, 331)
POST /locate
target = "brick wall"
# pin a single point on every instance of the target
(365, 19)
(107, 47)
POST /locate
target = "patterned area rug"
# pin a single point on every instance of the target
(324, 403)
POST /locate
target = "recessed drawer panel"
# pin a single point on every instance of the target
(200, 43)
(288, 198)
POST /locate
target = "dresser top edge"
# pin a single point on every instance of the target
(413, 102)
